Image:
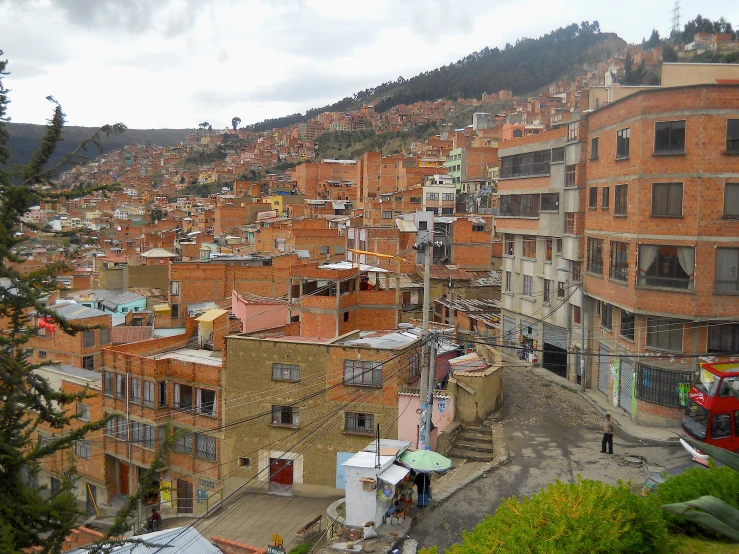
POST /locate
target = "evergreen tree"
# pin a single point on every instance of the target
(632, 75)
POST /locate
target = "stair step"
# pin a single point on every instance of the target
(474, 437)
(476, 429)
(471, 455)
(476, 446)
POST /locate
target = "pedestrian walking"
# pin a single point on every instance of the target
(608, 429)
(423, 484)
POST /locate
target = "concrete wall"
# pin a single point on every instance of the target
(681, 74)
(141, 276)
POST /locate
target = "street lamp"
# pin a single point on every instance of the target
(583, 377)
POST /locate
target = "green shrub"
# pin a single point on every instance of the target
(583, 517)
(721, 482)
(302, 548)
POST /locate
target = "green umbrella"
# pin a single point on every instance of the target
(425, 461)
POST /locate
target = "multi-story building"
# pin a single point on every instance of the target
(662, 242)
(540, 193)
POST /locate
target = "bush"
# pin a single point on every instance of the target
(583, 517)
(721, 482)
(302, 548)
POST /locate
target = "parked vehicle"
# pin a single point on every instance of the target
(655, 479)
(712, 409)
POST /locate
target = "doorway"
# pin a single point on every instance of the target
(184, 496)
(123, 476)
(281, 476)
(554, 359)
(92, 498)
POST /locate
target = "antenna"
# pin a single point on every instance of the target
(675, 20)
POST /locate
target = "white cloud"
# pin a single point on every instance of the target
(175, 63)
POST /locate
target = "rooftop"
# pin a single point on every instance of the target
(205, 357)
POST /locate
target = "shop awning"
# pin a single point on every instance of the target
(394, 474)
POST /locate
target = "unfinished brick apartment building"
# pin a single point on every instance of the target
(662, 242)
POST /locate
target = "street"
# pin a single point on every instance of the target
(551, 433)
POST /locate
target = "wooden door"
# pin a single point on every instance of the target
(281, 476)
(184, 496)
(124, 472)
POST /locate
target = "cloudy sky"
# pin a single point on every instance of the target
(176, 63)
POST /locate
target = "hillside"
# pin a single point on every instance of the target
(529, 65)
(25, 138)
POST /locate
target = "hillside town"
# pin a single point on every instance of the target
(288, 317)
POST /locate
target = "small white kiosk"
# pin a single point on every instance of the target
(371, 477)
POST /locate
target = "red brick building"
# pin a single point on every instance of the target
(661, 242)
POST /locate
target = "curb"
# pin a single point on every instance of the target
(500, 457)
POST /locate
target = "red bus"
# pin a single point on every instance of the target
(712, 411)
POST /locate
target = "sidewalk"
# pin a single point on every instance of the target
(659, 435)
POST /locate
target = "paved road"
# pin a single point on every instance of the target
(551, 433)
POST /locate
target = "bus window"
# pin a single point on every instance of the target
(695, 420)
(707, 382)
(721, 426)
(727, 384)
(736, 423)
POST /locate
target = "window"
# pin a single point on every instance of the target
(571, 176)
(558, 155)
(183, 443)
(550, 202)
(174, 288)
(162, 393)
(721, 426)
(387, 215)
(620, 197)
(42, 353)
(135, 390)
(414, 366)
(667, 199)
(576, 314)
(324, 249)
(547, 290)
(111, 426)
(124, 310)
(205, 447)
(727, 276)
(359, 423)
(594, 148)
(448, 196)
(627, 325)
(595, 256)
(593, 197)
(422, 226)
(83, 412)
(88, 339)
(148, 393)
(569, 223)
(88, 362)
(415, 199)
(723, 339)
(572, 129)
(147, 436)
(285, 416)
(135, 432)
(576, 271)
(205, 402)
(120, 385)
(520, 205)
(182, 396)
(82, 449)
(105, 336)
(548, 249)
(605, 198)
(508, 281)
(606, 316)
(622, 143)
(285, 372)
(175, 311)
(528, 285)
(525, 165)
(666, 266)
(732, 136)
(665, 334)
(398, 198)
(529, 247)
(357, 372)
(447, 211)
(339, 250)
(432, 196)
(731, 199)
(669, 137)
(122, 428)
(558, 246)
(509, 243)
(108, 383)
(619, 261)
(476, 227)
(560, 289)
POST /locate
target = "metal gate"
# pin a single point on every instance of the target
(625, 384)
(604, 368)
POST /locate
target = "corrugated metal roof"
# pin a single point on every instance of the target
(406, 226)
(172, 541)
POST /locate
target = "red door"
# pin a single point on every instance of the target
(281, 476)
(123, 474)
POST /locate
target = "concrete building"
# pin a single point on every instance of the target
(662, 247)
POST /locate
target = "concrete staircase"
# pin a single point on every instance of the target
(473, 443)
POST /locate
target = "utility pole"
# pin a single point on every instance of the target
(583, 377)
(430, 397)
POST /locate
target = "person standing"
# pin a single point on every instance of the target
(423, 484)
(608, 429)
